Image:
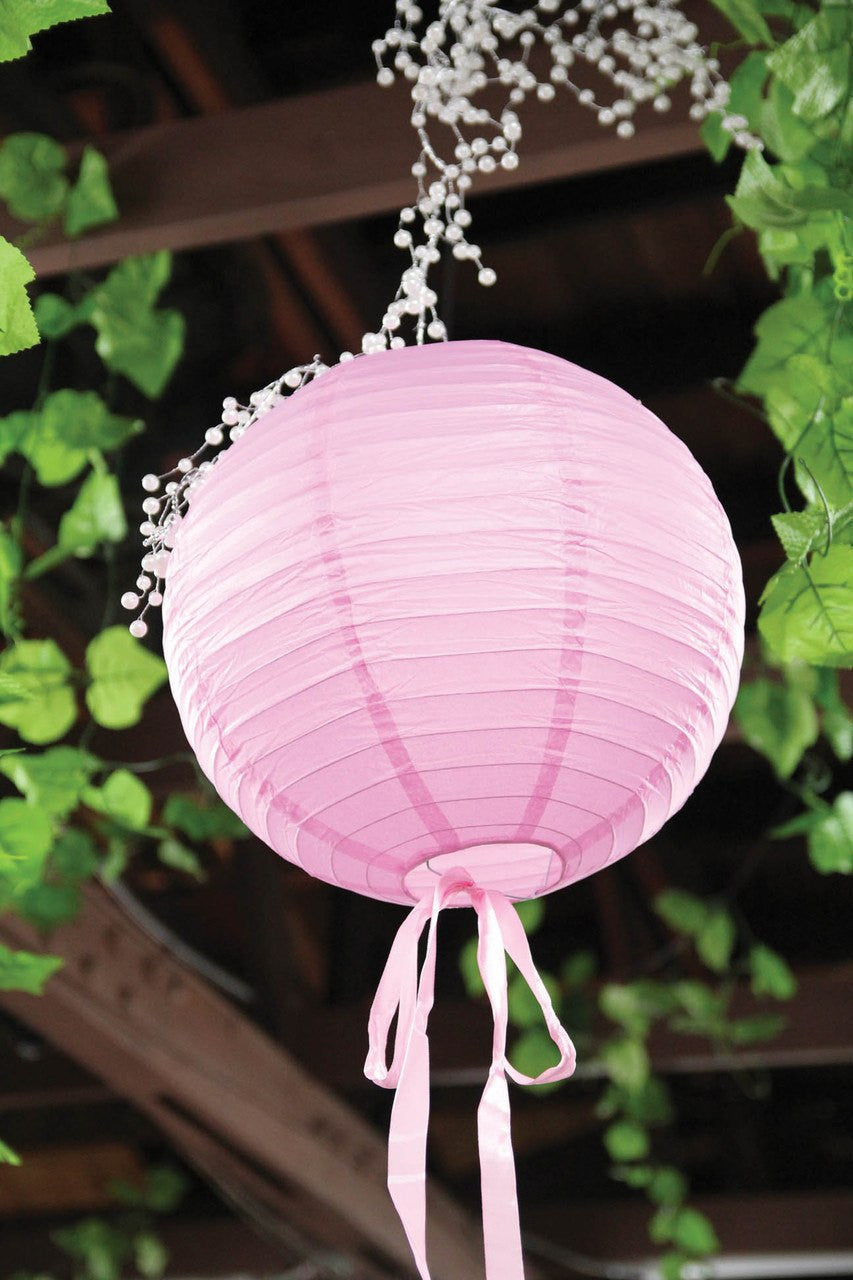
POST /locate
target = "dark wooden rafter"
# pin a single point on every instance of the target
(228, 1098)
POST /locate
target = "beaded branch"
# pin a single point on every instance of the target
(473, 52)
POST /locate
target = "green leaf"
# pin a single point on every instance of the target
(807, 611)
(17, 323)
(667, 1187)
(795, 326)
(830, 839)
(761, 1026)
(149, 1254)
(90, 202)
(165, 1188)
(531, 914)
(11, 563)
(682, 911)
(60, 439)
(99, 1245)
(7, 1155)
(470, 969)
(763, 199)
(19, 21)
(625, 1141)
(124, 675)
(180, 858)
(41, 706)
(698, 999)
(96, 516)
(143, 344)
(672, 1265)
(716, 939)
(24, 971)
(123, 798)
(782, 129)
(778, 721)
(524, 1010)
(25, 839)
(117, 858)
(800, 532)
(533, 1052)
(815, 63)
(73, 856)
(32, 178)
(693, 1233)
(836, 719)
(770, 974)
(746, 18)
(626, 1062)
(55, 315)
(203, 817)
(53, 780)
(48, 905)
(578, 970)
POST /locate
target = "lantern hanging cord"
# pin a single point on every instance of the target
(402, 994)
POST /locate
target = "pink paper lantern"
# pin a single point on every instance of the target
(454, 623)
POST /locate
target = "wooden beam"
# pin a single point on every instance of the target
(160, 1037)
(312, 160)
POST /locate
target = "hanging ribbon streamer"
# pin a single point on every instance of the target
(400, 992)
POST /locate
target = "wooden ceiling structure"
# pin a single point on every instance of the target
(254, 144)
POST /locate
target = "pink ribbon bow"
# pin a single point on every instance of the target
(400, 992)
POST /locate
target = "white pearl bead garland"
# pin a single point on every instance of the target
(464, 51)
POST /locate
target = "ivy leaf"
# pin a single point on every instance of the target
(7, 1155)
(55, 315)
(41, 704)
(102, 1247)
(667, 1187)
(779, 721)
(682, 911)
(524, 1008)
(25, 971)
(469, 968)
(807, 612)
(625, 1141)
(20, 21)
(96, 516)
(180, 858)
(815, 62)
(54, 780)
(202, 817)
(693, 1233)
(785, 133)
(123, 798)
(836, 720)
(124, 675)
(578, 970)
(90, 202)
(716, 939)
(762, 1026)
(533, 1052)
(11, 563)
(800, 532)
(531, 914)
(672, 1265)
(48, 905)
(25, 839)
(32, 177)
(746, 18)
(795, 326)
(745, 89)
(626, 1062)
(149, 1255)
(133, 339)
(771, 975)
(830, 839)
(762, 199)
(17, 324)
(72, 424)
(73, 856)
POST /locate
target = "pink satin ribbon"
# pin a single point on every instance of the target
(400, 992)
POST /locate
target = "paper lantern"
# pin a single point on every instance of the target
(458, 623)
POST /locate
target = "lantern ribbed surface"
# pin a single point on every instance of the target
(459, 605)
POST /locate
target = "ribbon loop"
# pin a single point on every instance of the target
(400, 992)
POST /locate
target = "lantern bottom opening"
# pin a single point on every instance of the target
(519, 870)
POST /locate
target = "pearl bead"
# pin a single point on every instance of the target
(151, 483)
(292, 378)
(185, 465)
(486, 276)
(138, 629)
(625, 129)
(143, 583)
(509, 160)
(385, 77)
(214, 435)
(130, 600)
(155, 598)
(151, 506)
(402, 239)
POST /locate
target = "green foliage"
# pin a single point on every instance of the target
(133, 337)
(52, 780)
(123, 799)
(204, 817)
(778, 720)
(22, 19)
(124, 675)
(807, 610)
(770, 974)
(626, 1140)
(36, 697)
(96, 516)
(17, 323)
(830, 836)
(90, 201)
(173, 853)
(22, 971)
(7, 1155)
